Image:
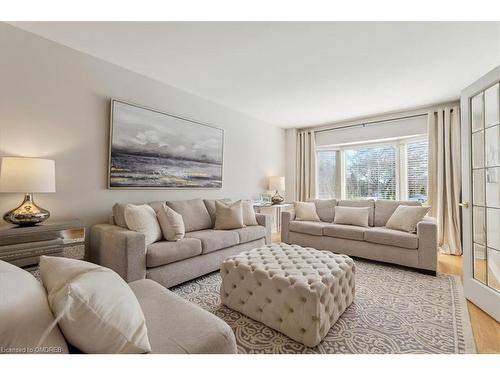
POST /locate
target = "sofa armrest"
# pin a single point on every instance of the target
(427, 243)
(286, 217)
(266, 222)
(122, 250)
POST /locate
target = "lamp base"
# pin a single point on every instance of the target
(27, 214)
(277, 199)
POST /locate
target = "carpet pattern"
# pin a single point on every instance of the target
(395, 310)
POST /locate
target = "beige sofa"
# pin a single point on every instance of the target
(417, 250)
(175, 326)
(170, 263)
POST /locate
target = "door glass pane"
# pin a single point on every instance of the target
(492, 187)
(478, 150)
(493, 146)
(494, 269)
(480, 263)
(491, 106)
(477, 112)
(493, 228)
(479, 225)
(478, 187)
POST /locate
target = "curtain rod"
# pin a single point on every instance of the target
(368, 123)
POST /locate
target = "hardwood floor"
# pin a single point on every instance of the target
(486, 330)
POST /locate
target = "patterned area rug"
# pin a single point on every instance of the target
(395, 310)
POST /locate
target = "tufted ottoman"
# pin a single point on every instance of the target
(298, 291)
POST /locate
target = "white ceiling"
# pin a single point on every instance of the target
(295, 73)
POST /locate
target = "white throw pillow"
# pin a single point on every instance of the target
(305, 211)
(26, 321)
(143, 219)
(406, 218)
(248, 213)
(228, 216)
(352, 216)
(96, 310)
(171, 223)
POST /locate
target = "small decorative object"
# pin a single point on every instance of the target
(277, 183)
(27, 175)
(150, 149)
(266, 198)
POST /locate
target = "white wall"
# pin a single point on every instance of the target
(54, 103)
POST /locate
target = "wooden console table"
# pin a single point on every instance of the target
(23, 246)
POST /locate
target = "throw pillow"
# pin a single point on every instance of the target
(171, 223)
(352, 216)
(228, 215)
(95, 308)
(248, 213)
(143, 219)
(405, 218)
(305, 211)
(26, 321)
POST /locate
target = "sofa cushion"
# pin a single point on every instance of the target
(165, 252)
(251, 233)
(25, 315)
(351, 232)
(193, 212)
(386, 236)
(212, 239)
(305, 211)
(385, 208)
(228, 215)
(358, 216)
(210, 205)
(307, 227)
(171, 224)
(177, 326)
(119, 214)
(325, 208)
(96, 310)
(406, 218)
(248, 213)
(142, 219)
(361, 203)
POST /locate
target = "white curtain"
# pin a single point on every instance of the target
(445, 177)
(306, 165)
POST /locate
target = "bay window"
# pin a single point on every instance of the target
(385, 170)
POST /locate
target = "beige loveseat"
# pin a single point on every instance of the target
(170, 263)
(174, 325)
(376, 242)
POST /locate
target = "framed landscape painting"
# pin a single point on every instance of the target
(150, 149)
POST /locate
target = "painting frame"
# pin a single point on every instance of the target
(174, 116)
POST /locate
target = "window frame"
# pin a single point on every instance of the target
(401, 161)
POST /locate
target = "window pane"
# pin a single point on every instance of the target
(417, 171)
(326, 161)
(371, 172)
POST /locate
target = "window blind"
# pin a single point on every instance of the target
(370, 172)
(327, 176)
(417, 170)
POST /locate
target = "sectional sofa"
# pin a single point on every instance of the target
(170, 263)
(417, 250)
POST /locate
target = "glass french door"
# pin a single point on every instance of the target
(480, 105)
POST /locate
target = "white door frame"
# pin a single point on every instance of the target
(475, 291)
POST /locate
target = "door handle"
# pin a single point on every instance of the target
(464, 204)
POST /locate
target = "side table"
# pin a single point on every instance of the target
(275, 211)
(23, 246)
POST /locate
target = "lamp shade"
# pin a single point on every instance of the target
(277, 183)
(27, 175)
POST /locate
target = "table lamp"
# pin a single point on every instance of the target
(28, 176)
(277, 183)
